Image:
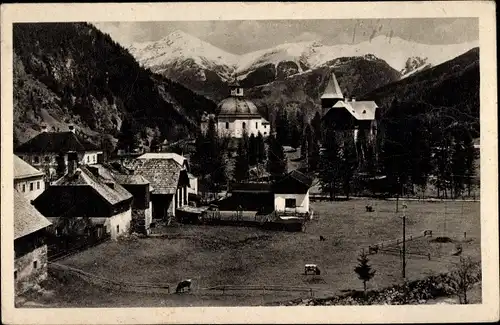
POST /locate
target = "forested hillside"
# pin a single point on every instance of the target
(73, 73)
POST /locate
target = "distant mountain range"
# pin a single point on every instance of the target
(73, 73)
(206, 69)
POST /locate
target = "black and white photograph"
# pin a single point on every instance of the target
(227, 162)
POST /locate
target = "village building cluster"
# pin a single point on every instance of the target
(64, 188)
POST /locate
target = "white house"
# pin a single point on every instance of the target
(237, 115)
(28, 180)
(291, 193)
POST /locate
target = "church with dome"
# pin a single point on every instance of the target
(236, 115)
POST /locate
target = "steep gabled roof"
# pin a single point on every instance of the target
(56, 142)
(23, 170)
(332, 89)
(162, 174)
(293, 182)
(84, 177)
(27, 219)
(361, 110)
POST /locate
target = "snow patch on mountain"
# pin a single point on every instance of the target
(181, 50)
(179, 47)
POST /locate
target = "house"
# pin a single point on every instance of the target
(291, 193)
(236, 115)
(28, 180)
(347, 114)
(350, 119)
(84, 194)
(30, 248)
(168, 177)
(48, 151)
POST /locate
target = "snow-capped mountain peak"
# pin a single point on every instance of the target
(178, 47)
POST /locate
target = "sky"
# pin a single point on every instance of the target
(245, 36)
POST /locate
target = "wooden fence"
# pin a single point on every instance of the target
(264, 288)
(62, 270)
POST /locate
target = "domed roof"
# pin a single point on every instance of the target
(237, 107)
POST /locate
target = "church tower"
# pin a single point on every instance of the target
(331, 95)
(236, 89)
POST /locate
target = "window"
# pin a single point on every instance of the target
(117, 229)
(88, 159)
(265, 126)
(36, 159)
(37, 185)
(15, 275)
(256, 125)
(290, 203)
(227, 125)
(265, 133)
(93, 158)
(24, 187)
(35, 264)
(47, 159)
(31, 186)
(243, 125)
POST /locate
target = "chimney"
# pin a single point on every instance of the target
(353, 99)
(72, 163)
(44, 128)
(71, 128)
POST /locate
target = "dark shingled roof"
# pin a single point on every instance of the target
(56, 142)
(84, 177)
(27, 219)
(293, 182)
(162, 174)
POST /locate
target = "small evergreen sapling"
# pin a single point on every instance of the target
(364, 270)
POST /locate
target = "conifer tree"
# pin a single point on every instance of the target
(329, 164)
(364, 270)
(276, 160)
(241, 167)
(252, 150)
(260, 147)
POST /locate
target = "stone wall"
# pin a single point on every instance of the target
(27, 274)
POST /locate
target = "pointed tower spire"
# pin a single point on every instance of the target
(332, 90)
(331, 95)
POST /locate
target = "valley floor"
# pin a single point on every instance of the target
(213, 256)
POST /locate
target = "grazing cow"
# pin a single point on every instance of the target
(183, 285)
(428, 233)
(321, 238)
(373, 249)
(369, 208)
(313, 268)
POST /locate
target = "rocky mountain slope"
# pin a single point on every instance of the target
(73, 73)
(206, 68)
(448, 91)
(356, 76)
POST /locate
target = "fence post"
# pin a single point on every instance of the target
(311, 291)
(411, 237)
(429, 256)
(465, 235)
